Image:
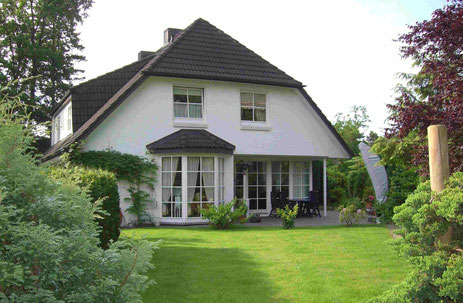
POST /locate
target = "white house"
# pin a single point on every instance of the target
(218, 119)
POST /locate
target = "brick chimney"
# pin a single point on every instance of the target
(169, 35)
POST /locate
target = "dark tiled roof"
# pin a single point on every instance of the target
(208, 53)
(89, 96)
(200, 51)
(191, 141)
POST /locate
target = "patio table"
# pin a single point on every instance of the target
(300, 203)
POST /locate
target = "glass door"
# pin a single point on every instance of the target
(251, 179)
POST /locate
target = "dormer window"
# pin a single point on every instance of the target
(253, 107)
(188, 102)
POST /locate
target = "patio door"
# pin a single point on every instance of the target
(251, 184)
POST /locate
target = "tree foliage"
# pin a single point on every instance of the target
(351, 126)
(39, 38)
(49, 240)
(437, 274)
(435, 94)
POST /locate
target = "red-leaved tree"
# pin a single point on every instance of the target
(435, 94)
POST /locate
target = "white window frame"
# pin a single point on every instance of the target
(254, 107)
(171, 187)
(279, 173)
(70, 118)
(201, 186)
(188, 103)
(57, 132)
(303, 173)
(221, 180)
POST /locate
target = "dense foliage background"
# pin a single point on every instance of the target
(50, 251)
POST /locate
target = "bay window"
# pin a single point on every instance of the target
(172, 187)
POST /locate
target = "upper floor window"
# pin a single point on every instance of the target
(188, 102)
(253, 107)
(57, 129)
(70, 119)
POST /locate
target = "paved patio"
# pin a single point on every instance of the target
(332, 218)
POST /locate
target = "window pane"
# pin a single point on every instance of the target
(177, 210)
(180, 95)
(193, 163)
(262, 204)
(252, 204)
(252, 167)
(207, 164)
(208, 194)
(194, 95)
(285, 166)
(297, 191)
(246, 114)
(239, 192)
(246, 99)
(297, 179)
(177, 178)
(166, 210)
(208, 179)
(259, 114)
(262, 192)
(177, 192)
(276, 179)
(305, 192)
(166, 194)
(239, 179)
(180, 110)
(196, 110)
(285, 179)
(193, 179)
(252, 192)
(166, 164)
(177, 164)
(259, 100)
(306, 179)
(207, 205)
(193, 209)
(276, 166)
(252, 179)
(193, 194)
(261, 179)
(166, 179)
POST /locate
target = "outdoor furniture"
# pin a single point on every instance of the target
(309, 204)
(302, 204)
(313, 204)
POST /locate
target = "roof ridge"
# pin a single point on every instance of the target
(169, 46)
(242, 45)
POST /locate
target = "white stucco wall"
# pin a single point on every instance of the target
(147, 115)
(292, 129)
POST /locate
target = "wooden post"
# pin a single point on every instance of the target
(439, 164)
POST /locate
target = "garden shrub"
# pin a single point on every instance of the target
(102, 187)
(288, 216)
(224, 215)
(139, 172)
(351, 215)
(49, 240)
(437, 274)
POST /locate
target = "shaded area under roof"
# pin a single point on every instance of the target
(191, 141)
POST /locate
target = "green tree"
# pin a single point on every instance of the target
(351, 126)
(39, 38)
(49, 240)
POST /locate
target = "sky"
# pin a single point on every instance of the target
(342, 50)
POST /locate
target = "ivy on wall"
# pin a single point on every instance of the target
(138, 171)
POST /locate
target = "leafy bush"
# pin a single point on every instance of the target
(138, 171)
(49, 240)
(424, 218)
(102, 187)
(288, 216)
(351, 215)
(222, 216)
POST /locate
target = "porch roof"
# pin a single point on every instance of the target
(191, 141)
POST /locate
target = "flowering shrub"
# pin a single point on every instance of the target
(288, 215)
(351, 215)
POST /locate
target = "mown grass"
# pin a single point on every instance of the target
(267, 264)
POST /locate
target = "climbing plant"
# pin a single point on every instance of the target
(139, 172)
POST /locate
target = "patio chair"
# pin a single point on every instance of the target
(313, 203)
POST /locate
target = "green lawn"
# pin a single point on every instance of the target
(267, 264)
